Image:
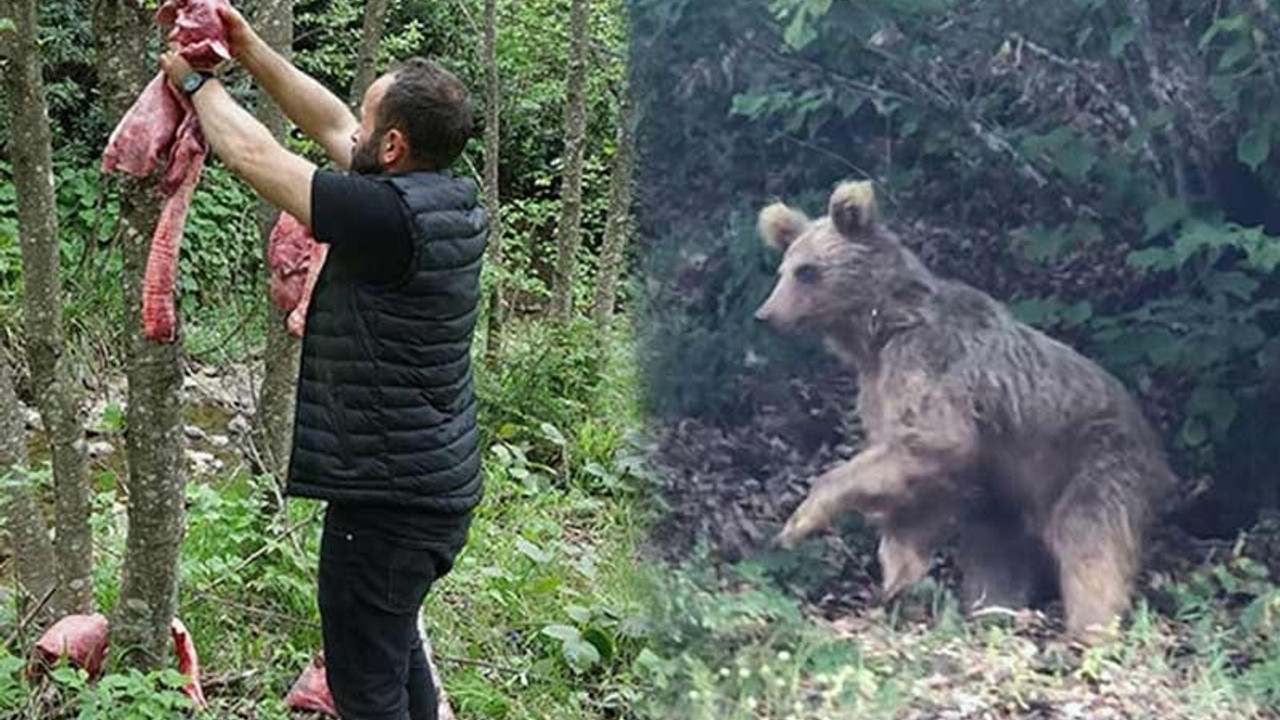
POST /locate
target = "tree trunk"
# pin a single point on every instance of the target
(19, 511)
(273, 417)
(618, 226)
(153, 440)
(52, 373)
(570, 233)
(492, 177)
(375, 21)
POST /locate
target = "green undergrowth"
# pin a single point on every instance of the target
(542, 616)
(738, 647)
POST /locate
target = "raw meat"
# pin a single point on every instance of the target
(311, 690)
(295, 259)
(162, 124)
(83, 640)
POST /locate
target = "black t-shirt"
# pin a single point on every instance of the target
(364, 223)
(367, 230)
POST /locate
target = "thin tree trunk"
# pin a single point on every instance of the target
(273, 417)
(19, 511)
(153, 440)
(570, 232)
(52, 372)
(618, 226)
(492, 176)
(375, 22)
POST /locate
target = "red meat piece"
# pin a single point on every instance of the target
(81, 639)
(311, 690)
(296, 259)
(163, 125)
(188, 662)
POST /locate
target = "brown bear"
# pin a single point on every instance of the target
(979, 428)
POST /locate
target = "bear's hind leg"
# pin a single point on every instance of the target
(1095, 535)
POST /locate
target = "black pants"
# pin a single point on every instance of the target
(372, 584)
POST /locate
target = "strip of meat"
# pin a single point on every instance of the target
(298, 318)
(162, 125)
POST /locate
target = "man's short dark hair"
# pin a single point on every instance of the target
(431, 106)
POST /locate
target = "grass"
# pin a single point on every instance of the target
(740, 648)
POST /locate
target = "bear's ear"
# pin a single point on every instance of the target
(780, 225)
(853, 208)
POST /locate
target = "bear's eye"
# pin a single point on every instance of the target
(808, 274)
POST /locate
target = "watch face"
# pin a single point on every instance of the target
(191, 82)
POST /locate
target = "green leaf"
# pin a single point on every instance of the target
(1234, 54)
(1231, 283)
(580, 654)
(1254, 147)
(649, 661)
(563, 633)
(1075, 160)
(1077, 313)
(7, 24)
(1264, 256)
(749, 106)
(578, 613)
(552, 433)
(1152, 258)
(1162, 216)
(1214, 404)
(799, 31)
(602, 642)
(531, 551)
(1120, 39)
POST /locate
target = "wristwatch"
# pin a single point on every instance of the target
(194, 81)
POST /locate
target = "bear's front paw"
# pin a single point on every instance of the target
(799, 526)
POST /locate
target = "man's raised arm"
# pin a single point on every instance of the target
(318, 112)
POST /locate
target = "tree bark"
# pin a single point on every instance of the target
(19, 511)
(492, 177)
(570, 233)
(273, 416)
(52, 372)
(375, 22)
(618, 225)
(153, 439)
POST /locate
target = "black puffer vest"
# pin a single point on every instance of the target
(386, 411)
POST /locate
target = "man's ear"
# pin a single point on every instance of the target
(780, 225)
(395, 147)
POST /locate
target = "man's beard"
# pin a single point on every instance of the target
(364, 158)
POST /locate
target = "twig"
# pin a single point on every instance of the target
(256, 610)
(22, 624)
(226, 679)
(478, 663)
(274, 544)
(824, 151)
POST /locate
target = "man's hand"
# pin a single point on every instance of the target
(175, 67)
(241, 39)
